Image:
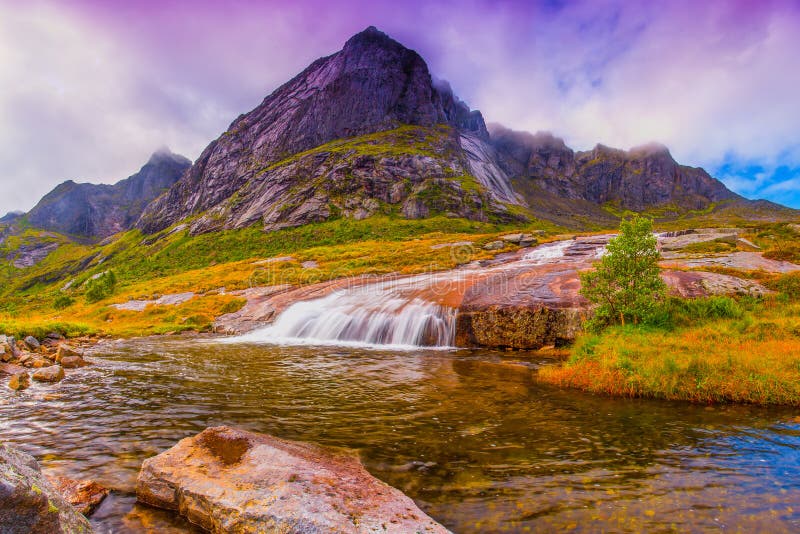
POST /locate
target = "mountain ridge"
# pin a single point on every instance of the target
(100, 210)
(374, 84)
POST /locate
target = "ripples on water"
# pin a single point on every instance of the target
(467, 434)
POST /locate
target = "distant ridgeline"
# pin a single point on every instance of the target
(368, 131)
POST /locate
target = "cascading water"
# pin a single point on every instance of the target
(548, 252)
(402, 313)
(381, 314)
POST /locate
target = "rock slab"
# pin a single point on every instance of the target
(230, 480)
(83, 495)
(28, 502)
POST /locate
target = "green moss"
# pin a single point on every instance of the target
(401, 141)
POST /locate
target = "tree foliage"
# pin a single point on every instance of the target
(101, 287)
(626, 286)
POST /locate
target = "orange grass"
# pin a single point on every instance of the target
(753, 359)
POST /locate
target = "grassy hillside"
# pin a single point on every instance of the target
(147, 267)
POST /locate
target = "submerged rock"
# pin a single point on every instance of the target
(230, 480)
(73, 362)
(19, 381)
(84, 495)
(28, 502)
(65, 351)
(53, 373)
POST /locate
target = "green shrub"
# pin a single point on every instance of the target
(101, 287)
(788, 285)
(63, 301)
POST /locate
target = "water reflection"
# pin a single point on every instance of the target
(469, 435)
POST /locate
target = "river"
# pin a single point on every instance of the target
(468, 434)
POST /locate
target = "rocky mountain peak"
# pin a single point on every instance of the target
(371, 37)
(100, 210)
(374, 84)
(165, 155)
(651, 150)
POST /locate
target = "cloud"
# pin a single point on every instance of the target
(90, 88)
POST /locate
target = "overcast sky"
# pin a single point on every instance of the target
(89, 89)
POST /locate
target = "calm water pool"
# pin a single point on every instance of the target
(468, 434)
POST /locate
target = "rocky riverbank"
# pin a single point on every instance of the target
(526, 299)
(42, 360)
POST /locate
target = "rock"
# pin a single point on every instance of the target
(693, 284)
(73, 362)
(746, 261)
(230, 480)
(32, 343)
(309, 265)
(28, 502)
(84, 495)
(12, 344)
(52, 339)
(165, 300)
(19, 381)
(494, 245)
(38, 363)
(53, 373)
(512, 238)
(521, 327)
(65, 351)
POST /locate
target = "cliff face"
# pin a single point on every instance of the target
(642, 178)
(373, 85)
(97, 211)
(366, 131)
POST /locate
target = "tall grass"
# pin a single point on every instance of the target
(716, 349)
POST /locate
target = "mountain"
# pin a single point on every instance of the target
(363, 131)
(367, 130)
(100, 210)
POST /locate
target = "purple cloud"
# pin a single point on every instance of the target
(89, 89)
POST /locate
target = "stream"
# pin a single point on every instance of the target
(468, 434)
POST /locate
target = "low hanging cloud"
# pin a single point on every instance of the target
(88, 89)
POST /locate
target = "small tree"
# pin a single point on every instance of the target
(626, 285)
(101, 287)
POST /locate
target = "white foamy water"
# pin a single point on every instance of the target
(374, 315)
(548, 252)
(397, 313)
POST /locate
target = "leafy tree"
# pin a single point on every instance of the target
(101, 287)
(626, 285)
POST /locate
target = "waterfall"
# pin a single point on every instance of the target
(405, 313)
(383, 314)
(548, 253)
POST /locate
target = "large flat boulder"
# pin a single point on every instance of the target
(29, 504)
(230, 480)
